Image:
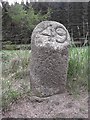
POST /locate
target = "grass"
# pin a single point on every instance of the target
(16, 80)
(78, 69)
(8, 46)
(15, 75)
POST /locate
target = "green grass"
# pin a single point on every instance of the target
(78, 69)
(16, 79)
(15, 75)
(8, 46)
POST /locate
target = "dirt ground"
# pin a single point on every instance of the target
(56, 106)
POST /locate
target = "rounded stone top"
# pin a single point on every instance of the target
(50, 33)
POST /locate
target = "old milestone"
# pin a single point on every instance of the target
(49, 59)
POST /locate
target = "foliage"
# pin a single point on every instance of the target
(18, 22)
(17, 13)
(33, 19)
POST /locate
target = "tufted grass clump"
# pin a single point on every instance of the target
(15, 75)
(78, 69)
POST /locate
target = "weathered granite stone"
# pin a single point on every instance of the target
(49, 58)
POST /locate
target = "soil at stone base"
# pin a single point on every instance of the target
(56, 106)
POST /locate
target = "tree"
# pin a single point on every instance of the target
(33, 18)
(21, 22)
